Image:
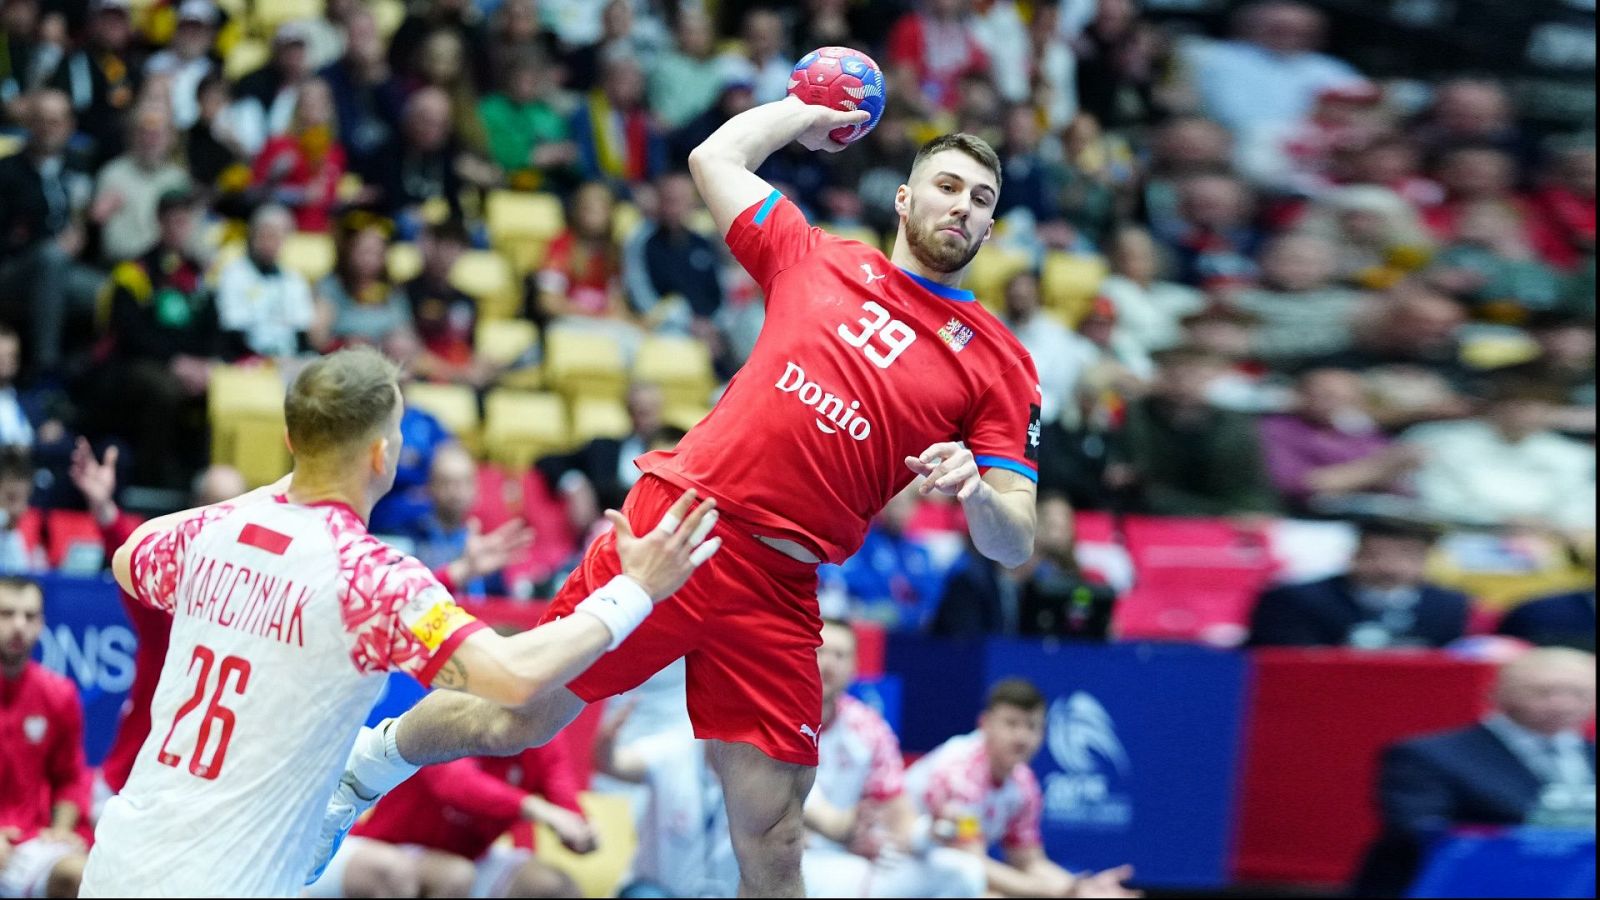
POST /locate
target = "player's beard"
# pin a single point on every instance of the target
(933, 248)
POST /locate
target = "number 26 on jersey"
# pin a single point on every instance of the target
(879, 337)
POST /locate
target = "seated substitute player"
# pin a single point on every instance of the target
(286, 614)
(435, 835)
(865, 838)
(979, 791)
(868, 372)
(44, 781)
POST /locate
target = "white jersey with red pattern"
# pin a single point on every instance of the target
(858, 758)
(954, 783)
(285, 619)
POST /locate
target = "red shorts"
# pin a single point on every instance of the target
(746, 621)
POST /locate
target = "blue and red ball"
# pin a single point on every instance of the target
(844, 79)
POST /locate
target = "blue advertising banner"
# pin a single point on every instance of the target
(87, 638)
(1521, 862)
(1140, 751)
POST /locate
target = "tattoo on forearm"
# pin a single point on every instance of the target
(453, 676)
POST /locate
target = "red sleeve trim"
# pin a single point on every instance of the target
(449, 646)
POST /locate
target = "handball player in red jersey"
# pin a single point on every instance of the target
(869, 372)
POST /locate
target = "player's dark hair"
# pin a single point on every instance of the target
(16, 463)
(970, 144)
(1397, 529)
(1017, 692)
(340, 401)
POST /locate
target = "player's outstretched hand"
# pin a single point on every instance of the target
(1104, 884)
(662, 560)
(948, 468)
(823, 119)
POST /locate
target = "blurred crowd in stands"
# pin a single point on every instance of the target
(1256, 282)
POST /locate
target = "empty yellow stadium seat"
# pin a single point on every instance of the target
(389, 14)
(685, 417)
(10, 143)
(245, 57)
(454, 405)
(521, 426)
(245, 407)
(680, 365)
(595, 417)
(272, 13)
(405, 262)
(488, 278)
(989, 272)
(583, 364)
(625, 220)
(309, 253)
(1070, 282)
(596, 874)
(502, 341)
(521, 224)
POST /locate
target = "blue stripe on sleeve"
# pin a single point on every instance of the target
(766, 208)
(1010, 465)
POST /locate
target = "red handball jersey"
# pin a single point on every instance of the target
(860, 364)
(41, 749)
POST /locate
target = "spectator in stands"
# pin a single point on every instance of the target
(617, 139)
(301, 167)
(672, 272)
(607, 463)
(1376, 235)
(686, 82)
(1474, 111)
(187, 59)
(269, 306)
(42, 282)
(1491, 268)
(1506, 467)
(1062, 355)
(102, 76)
(447, 535)
(436, 834)
(1002, 35)
(764, 54)
(1383, 601)
(1526, 762)
(44, 809)
(528, 135)
(1298, 158)
(1049, 67)
(1271, 72)
(217, 160)
(627, 28)
(516, 30)
(892, 579)
(21, 550)
(980, 791)
(442, 63)
(1218, 240)
(28, 418)
(421, 436)
(444, 317)
(1473, 175)
(1035, 204)
(1328, 456)
(461, 18)
(165, 337)
(930, 50)
(736, 95)
(1100, 187)
(1301, 314)
(127, 190)
(580, 284)
(267, 101)
(367, 97)
(1563, 620)
(1148, 309)
(1390, 160)
(357, 301)
(862, 827)
(1184, 147)
(1566, 362)
(1181, 455)
(1567, 204)
(420, 164)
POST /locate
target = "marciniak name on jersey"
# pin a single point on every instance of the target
(247, 601)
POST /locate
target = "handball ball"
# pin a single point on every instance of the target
(842, 79)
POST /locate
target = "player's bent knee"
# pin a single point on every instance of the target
(447, 875)
(65, 876)
(381, 870)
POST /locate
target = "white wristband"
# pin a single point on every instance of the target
(375, 760)
(620, 606)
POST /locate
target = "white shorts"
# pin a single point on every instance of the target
(943, 872)
(495, 868)
(27, 871)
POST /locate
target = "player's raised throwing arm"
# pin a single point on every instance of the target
(724, 165)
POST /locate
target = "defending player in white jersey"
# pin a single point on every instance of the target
(286, 614)
(864, 836)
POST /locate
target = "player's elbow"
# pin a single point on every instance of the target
(122, 566)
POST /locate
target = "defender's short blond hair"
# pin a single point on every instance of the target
(341, 401)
